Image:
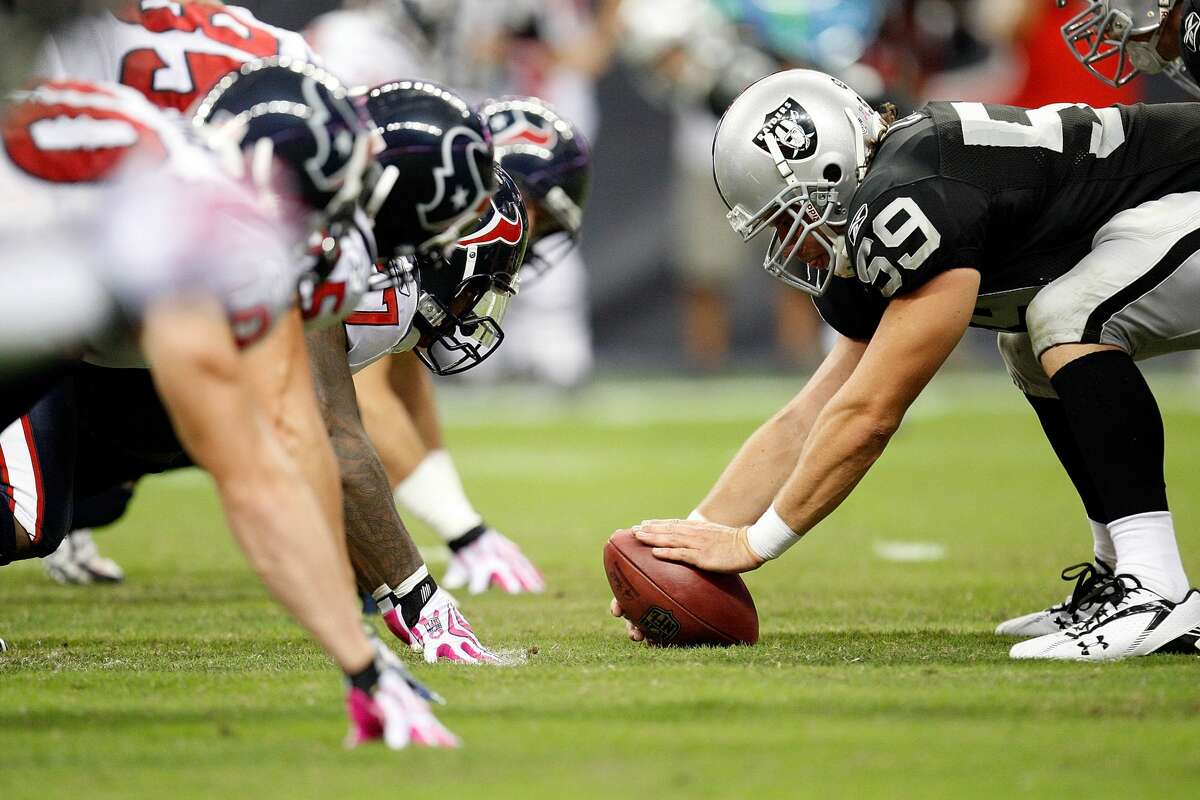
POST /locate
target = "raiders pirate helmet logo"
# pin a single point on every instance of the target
(793, 130)
(1191, 25)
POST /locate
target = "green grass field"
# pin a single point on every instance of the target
(874, 677)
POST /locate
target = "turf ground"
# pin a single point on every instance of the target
(877, 674)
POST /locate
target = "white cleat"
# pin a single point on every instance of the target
(78, 561)
(1133, 621)
(1079, 606)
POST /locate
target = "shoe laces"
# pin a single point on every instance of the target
(1110, 596)
(1092, 583)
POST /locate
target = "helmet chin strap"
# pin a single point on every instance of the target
(781, 164)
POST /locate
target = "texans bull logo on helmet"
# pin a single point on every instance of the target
(328, 164)
(459, 186)
(793, 130)
(515, 127)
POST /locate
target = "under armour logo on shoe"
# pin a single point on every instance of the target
(1085, 646)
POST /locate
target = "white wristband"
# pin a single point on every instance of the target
(770, 536)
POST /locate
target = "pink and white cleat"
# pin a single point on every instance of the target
(492, 559)
(394, 713)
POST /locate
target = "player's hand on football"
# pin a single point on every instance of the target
(716, 548)
(493, 560)
(632, 631)
(394, 713)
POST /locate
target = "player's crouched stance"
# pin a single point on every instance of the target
(1071, 231)
(173, 263)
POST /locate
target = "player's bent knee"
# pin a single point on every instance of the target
(1023, 365)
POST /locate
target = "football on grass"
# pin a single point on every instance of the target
(677, 605)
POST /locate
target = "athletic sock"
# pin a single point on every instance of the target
(1053, 417)
(1146, 549)
(1102, 543)
(434, 494)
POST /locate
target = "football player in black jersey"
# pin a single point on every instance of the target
(1070, 231)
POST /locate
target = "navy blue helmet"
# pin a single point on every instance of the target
(282, 110)
(436, 166)
(464, 296)
(551, 163)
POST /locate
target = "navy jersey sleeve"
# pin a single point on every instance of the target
(851, 308)
(900, 239)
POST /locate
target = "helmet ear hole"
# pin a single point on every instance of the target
(832, 173)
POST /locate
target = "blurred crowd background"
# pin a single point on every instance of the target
(660, 281)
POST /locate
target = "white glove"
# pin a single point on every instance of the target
(493, 559)
(441, 632)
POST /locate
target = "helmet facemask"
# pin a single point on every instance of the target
(464, 297)
(555, 234)
(1107, 41)
(814, 208)
(458, 337)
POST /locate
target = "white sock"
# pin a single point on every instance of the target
(434, 494)
(1146, 549)
(1102, 543)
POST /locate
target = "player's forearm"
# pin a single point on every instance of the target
(276, 522)
(846, 439)
(272, 511)
(768, 457)
(282, 382)
(381, 550)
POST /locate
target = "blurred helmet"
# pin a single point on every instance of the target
(430, 16)
(551, 164)
(1116, 40)
(463, 297)
(794, 147)
(689, 52)
(279, 110)
(436, 166)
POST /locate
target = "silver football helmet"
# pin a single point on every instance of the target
(793, 148)
(1117, 40)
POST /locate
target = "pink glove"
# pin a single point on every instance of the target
(441, 632)
(394, 713)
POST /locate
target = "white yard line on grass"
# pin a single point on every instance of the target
(910, 552)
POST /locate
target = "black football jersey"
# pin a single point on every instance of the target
(1017, 194)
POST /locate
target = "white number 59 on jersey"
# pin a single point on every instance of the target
(891, 229)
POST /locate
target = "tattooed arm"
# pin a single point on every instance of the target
(381, 549)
